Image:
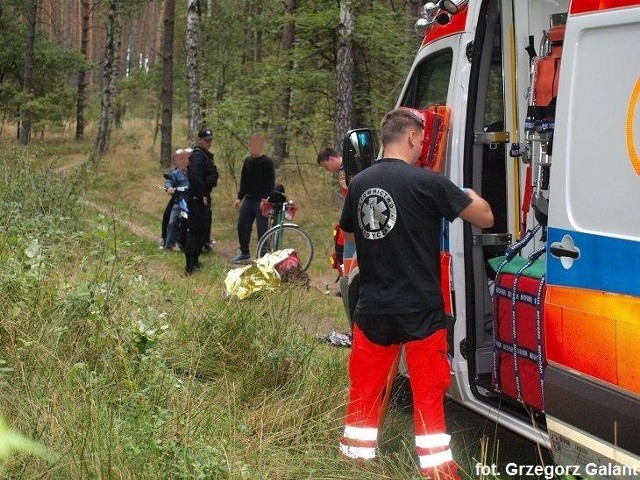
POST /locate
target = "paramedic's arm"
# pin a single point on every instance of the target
(346, 219)
(478, 212)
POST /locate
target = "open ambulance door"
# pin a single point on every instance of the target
(485, 170)
(592, 307)
(496, 110)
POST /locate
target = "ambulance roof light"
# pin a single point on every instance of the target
(421, 26)
(429, 11)
(443, 18)
(453, 6)
(440, 12)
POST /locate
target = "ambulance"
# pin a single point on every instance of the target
(535, 104)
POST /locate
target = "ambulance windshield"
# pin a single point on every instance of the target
(429, 83)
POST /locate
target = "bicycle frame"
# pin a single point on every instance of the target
(279, 220)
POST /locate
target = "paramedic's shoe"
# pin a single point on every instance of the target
(241, 258)
(448, 471)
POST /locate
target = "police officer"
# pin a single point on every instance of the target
(203, 176)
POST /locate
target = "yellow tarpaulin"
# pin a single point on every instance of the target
(259, 275)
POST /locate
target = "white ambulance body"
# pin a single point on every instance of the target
(586, 190)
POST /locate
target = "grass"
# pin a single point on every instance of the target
(123, 369)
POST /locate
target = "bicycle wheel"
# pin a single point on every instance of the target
(284, 236)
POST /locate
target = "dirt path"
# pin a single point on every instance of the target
(132, 227)
(325, 282)
(75, 161)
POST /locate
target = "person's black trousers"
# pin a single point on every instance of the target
(250, 211)
(197, 231)
(209, 220)
(165, 218)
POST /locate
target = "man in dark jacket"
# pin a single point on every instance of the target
(257, 181)
(203, 176)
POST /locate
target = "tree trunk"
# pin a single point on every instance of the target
(167, 83)
(247, 51)
(193, 78)
(344, 74)
(412, 8)
(257, 51)
(281, 130)
(83, 79)
(109, 76)
(25, 124)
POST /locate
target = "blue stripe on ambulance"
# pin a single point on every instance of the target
(605, 264)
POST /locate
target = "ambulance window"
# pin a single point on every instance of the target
(430, 82)
(494, 112)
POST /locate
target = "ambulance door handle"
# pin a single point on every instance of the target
(566, 251)
(557, 250)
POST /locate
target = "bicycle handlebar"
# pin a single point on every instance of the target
(176, 189)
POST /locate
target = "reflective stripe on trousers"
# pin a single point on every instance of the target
(359, 442)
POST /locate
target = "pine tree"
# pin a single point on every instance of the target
(83, 77)
(109, 75)
(25, 124)
(193, 78)
(344, 74)
(281, 130)
(167, 83)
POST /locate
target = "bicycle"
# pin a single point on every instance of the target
(283, 234)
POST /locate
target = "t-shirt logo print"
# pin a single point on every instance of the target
(377, 213)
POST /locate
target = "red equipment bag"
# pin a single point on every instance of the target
(337, 256)
(435, 121)
(547, 68)
(519, 358)
(519, 347)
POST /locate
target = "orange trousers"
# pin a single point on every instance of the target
(430, 376)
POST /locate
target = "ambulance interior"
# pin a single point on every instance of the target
(495, 165)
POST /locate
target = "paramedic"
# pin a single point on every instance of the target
(394, 211)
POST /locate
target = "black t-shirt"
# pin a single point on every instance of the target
(258, 178)
(395, 211)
